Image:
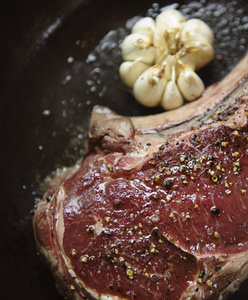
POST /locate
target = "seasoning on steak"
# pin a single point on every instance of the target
(159, 208)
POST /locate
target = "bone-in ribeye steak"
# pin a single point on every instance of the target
(158, 209)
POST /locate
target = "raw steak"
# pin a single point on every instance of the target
(158, 209)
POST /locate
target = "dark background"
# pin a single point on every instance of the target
(58, 59)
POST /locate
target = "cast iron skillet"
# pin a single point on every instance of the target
(59, 59)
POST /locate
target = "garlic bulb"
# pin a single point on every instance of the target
(161, 57)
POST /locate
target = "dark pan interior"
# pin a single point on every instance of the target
(59, 59)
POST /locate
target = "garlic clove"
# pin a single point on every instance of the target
(196, 54)
(198, 29)
(197, 38)
(160, 43)
(167, 32)
(172, 98)
(140, 46)
(149, 87)
(161, 54)
(172, 67)
(190, 84)
(131, 70)
(144, 26)
(170, 18)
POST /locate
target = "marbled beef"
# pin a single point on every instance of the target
(158, 209)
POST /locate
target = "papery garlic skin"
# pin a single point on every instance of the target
(161, 57)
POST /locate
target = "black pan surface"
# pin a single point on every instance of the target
(59, 59)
